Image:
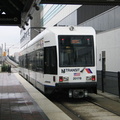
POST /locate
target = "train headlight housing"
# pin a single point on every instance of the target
(63, 79)
(66, 78)
(71, 28)
(93, 78)
(88, 77)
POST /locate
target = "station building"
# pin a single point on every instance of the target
(104, 19)
(0, 55)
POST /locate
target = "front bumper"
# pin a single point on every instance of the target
(89, 86)
(77, 85)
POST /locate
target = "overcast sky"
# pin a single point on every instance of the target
(10, 36)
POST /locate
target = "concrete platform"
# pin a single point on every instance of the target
(109, 95)
(19, 100)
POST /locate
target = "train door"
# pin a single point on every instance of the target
(50, 60)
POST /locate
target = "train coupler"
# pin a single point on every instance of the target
(78, 93)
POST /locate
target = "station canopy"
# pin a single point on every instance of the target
(18, 12)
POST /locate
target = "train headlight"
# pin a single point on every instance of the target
(61, 79)
(71, 28)
(93, 78)
(66, 78)
(88, 77)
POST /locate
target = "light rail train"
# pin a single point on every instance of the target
(61, 58)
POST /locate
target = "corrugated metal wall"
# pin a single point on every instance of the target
(89, 11)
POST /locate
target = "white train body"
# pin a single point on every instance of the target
(61, 58)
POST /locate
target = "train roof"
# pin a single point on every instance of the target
(58, 30)
(71, 30)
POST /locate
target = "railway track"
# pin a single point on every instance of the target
(95, 107)
(91, 108)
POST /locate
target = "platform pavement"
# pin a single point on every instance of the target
(19, 100)
(109, 95)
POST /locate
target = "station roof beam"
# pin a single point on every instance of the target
(18, 12)
(83, 2)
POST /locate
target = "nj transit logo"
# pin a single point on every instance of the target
(88, 70)
(69, 70)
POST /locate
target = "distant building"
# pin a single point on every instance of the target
(0, 55)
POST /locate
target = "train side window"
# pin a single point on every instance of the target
(31, 63)
(26, 61)
(21, 61)
(39, 60)
(50, 60)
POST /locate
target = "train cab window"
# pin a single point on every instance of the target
(76, 50)
(50, 60)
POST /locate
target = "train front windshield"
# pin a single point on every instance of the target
(76, 51)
